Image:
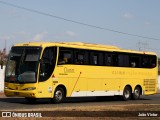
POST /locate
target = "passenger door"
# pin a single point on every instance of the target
(47, 66)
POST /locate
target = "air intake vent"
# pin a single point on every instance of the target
(150, 85)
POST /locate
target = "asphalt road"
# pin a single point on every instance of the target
(20, 103)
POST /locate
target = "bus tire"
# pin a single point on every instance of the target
(58, 95)
(127, 93)
(137, 93)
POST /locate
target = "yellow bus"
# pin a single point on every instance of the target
(57, 70)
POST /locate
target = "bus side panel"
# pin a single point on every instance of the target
(103, 81)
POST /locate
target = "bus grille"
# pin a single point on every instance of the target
(150, 85)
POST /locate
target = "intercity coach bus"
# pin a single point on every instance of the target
(57, 70)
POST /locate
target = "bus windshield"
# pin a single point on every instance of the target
(22, 65)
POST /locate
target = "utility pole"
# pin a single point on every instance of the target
(5, 44)
(139, 46)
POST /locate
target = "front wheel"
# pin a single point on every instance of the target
(58, 95)
(127, 93)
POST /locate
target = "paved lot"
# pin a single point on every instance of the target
(20, 103)
(84, 108)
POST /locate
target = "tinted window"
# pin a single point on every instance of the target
(123, 60)
(81, 57)
(148, 61)
(135, 61)
(65, 56)
(102, 58)
(47, 63)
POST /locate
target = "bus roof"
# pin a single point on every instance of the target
(66, 44)
(82, 45)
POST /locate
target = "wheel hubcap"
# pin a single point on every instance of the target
(127, 94)
(136, 92)
(58, 95)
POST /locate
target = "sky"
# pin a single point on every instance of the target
(138, 17)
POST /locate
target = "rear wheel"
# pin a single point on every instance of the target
(137, 93)
(58, 95)
(127, 93)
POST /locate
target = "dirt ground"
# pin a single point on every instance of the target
(117, 112)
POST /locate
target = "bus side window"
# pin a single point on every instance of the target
(79, 59)
(65, 56)
(94, 58)
(153, 61)
(65, 59)
(101, 58)
(115, 60)
(123, 60)
(145, 62)
(108, 59)
(135, 61)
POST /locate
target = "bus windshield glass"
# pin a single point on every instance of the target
(22, 65)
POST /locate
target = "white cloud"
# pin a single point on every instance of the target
(65, 35)
(39, 36)
(70, 33)
(128, 16)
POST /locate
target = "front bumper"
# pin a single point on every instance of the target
(17, 93)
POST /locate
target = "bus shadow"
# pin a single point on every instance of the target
(67, 100)
(96, 99)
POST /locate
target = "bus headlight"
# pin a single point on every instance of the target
(5, 87)
(30, 88)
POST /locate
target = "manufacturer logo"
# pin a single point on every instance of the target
(6, 114)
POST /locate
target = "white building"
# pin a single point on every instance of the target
(2, 79)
